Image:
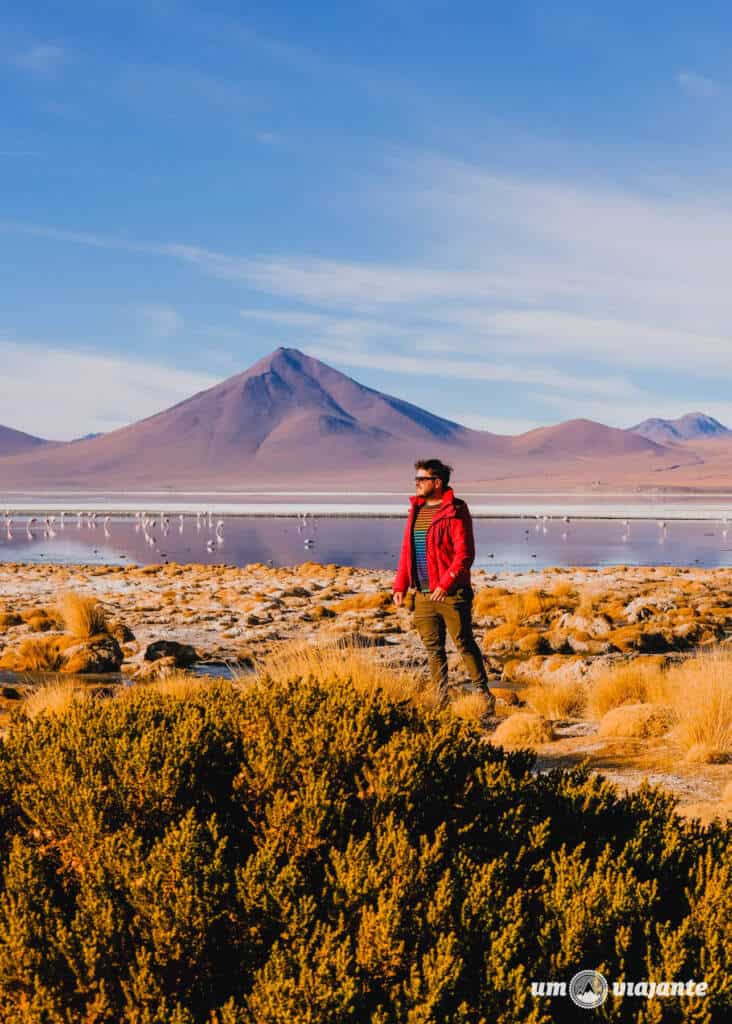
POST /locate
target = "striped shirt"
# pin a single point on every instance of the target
(422, 524)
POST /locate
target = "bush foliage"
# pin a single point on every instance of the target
(305, 853)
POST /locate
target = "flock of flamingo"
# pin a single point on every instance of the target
(48, 526)
(149, 524)
(542, 520)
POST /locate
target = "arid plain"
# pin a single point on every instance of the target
(626, 667)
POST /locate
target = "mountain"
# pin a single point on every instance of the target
(582, 438)
(694, 426)
(290, 421)
(288, 414)
(14, 441)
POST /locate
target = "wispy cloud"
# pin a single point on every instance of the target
(697, 85)
(471, 370)
(550, 284)
(43, 59)
(42, 387)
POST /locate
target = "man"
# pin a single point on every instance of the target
(437, 552)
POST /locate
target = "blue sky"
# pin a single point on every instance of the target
(510, 214)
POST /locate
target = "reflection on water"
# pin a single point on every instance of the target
(501, 544)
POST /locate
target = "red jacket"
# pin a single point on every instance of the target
(450, 546)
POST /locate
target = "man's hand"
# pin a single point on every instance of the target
(398, 598)
(438, 594)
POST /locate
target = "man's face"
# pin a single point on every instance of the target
(428, 486)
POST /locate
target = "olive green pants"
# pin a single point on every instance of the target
(433, 619)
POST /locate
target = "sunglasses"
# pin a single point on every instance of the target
(419, 479)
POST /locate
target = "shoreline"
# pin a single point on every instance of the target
(637, 512)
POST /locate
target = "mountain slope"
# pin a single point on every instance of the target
(14, 441)
(581, 438)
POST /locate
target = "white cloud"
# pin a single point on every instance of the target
(44, 59)
(697, 85)
(484, 369)
(519, 275)
(62, 394)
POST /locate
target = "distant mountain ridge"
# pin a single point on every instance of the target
(694, 426)
(292, 420)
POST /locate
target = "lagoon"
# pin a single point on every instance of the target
(506, 543)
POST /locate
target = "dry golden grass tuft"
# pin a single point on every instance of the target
(487, 600)
(637, 721)
(179, 685)
(703, 753)
(698, 690)
(522, 730)
(564, 592)
(54, 697)
(640, 681)
(590, 597)
(702, 699)
(497, 635)
(82, 615)
(333, 662)
(518, 607)
(40, 620)
(531, 643)
(36, 654)
(726, 797)
(9, 619)
(364, 602)
(563, 698)
(472, 707)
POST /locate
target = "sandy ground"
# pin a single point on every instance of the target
(231, 615)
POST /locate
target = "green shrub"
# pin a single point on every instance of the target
(302, 853)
